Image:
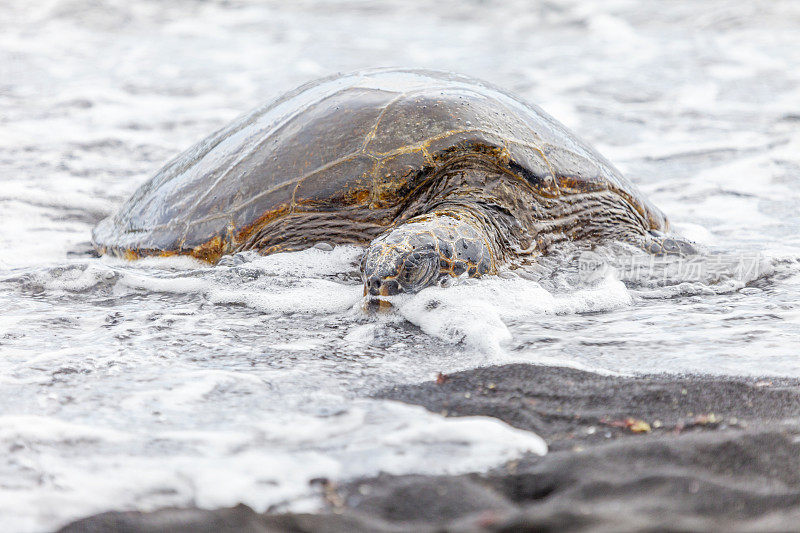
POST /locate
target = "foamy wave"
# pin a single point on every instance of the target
(312, 262)
(314, 296)
(37, 430)
(477, 311)
(174, 262)
(265, 464)
(291, 282)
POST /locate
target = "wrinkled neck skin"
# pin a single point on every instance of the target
(519, 220)
(496, 203)
(474, 217)
(459, 223)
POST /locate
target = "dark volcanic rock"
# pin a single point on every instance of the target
(651, 453)
(239, 519)
(570, 407)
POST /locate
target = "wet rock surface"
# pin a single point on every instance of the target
(626, 454)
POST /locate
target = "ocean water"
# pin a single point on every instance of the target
(169, 382)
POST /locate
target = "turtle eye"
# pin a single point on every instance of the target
(418, 270)
(413, 274)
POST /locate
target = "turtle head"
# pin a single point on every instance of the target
(429, 250)
(400, 261)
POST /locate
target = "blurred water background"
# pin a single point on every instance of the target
(168, 382)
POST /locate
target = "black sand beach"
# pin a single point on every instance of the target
(650, 453)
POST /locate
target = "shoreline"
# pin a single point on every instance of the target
(665, 452)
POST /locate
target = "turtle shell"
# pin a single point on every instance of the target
(345, 144)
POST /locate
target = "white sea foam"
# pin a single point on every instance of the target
(173, 262)
(314, 296)
(311, 262)
(31, 430)
(311, 294)
(174, 285)
(77, 278)
(167, 381)
(477, 311)
(270, 463)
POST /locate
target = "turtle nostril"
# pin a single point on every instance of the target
(374, 285)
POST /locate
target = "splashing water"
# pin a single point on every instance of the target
(170, 382)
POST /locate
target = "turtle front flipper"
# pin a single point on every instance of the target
(428, 250)
(658, 243)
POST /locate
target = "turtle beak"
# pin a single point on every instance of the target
(377, 305)
(383, 291)
(377, 286)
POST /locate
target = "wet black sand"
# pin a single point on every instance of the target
(626, 454)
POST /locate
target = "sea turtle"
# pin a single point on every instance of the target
(440, 174)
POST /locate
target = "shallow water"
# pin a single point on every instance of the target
(167, 382)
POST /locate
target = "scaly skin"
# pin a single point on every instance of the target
(427, 250)
(480, 218)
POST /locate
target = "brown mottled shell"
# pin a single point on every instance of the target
(346, 143)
